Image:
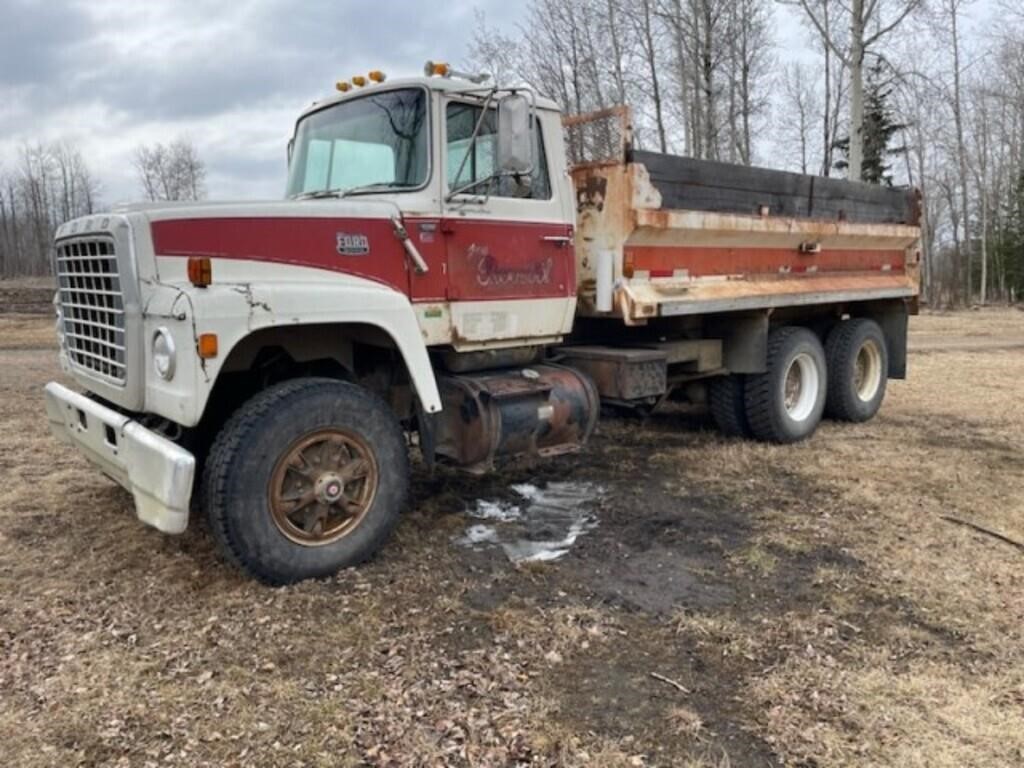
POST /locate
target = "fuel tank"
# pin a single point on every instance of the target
(540, 410)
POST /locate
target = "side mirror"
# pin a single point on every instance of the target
(515, 135)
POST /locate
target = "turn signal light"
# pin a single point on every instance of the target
(207, 345)
(200, 271)
(359, 80)
(343, 86)
(377, 76)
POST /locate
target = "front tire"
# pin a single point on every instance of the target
(306, 478)
(858, 369)
(785, 404)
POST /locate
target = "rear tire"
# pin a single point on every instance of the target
(858, 369)
(728, 406)
(785, 404)
(306, 478)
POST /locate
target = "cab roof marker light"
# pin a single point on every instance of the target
(436, 68)
(359, 80)
(343, 86)
(442, 69)
(377, 76)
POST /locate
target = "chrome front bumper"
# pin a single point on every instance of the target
(158, 472)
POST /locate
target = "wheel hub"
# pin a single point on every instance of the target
(322, 486)
(800, 388)
(329, 487)
(867, 376)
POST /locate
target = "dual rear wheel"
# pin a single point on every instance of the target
(805, 380)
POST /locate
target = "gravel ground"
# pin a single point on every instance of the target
(724, 604)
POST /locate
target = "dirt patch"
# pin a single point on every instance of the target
(27, 296)
(807, 604)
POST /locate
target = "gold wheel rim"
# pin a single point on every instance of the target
(322, 486)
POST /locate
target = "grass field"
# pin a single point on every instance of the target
(736, 604)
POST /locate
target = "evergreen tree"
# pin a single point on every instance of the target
(1009, 239)
(879, 129)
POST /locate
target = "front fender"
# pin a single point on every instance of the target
(235, 310)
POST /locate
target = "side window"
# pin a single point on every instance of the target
(466, 167)
(479, 164)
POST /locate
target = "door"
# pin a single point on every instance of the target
(506, 239)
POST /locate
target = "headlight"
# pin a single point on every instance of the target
(163, 354)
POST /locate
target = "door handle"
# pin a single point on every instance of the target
(557, 239)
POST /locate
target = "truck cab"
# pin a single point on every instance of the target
(440, 275)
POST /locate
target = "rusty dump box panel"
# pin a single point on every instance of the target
(659, 235)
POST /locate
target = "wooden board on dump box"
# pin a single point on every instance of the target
(705, 185)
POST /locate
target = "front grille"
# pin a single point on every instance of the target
(92, 306)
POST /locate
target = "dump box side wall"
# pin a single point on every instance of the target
(704, 185)
(687, 261)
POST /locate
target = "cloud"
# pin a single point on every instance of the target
(36, 40)
(232, 76)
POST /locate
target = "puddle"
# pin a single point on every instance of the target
(540, 524)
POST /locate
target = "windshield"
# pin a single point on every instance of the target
(373, 141)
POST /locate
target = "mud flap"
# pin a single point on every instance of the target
(892, 316)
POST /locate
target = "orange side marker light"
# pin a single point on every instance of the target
(207, 345)
(200, 271)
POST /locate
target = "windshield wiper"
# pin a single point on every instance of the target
(382, 186)
(318, 194)
(379, 187)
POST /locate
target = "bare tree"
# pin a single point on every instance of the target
(981, 169)
(171, 172)
(50, 185)
(699, 31)
(493, 52)
(645, 23)
(800, 107)
(869, 22)
(8, 224)
(749, 38)
(951, 16)
(699, 76)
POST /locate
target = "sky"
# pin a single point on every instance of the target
(230, 75)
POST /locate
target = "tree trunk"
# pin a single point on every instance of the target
(613, 32)
(856, 90)
(958, 119)
(826, 116)
(707, 74)
(652, 64)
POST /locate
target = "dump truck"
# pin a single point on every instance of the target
(461, 274)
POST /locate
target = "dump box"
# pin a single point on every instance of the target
(660, 235)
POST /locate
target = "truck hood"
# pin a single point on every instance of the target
(248, 209)
(328, 234)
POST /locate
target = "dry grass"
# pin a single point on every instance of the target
(27, 332)
(27, 295)
(930, 674)
(824, 614)
(43, 282)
